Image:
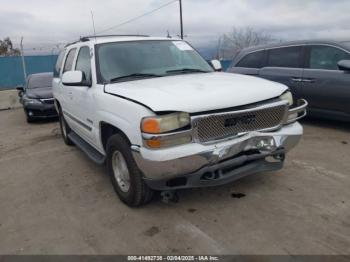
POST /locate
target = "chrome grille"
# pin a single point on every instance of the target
(219, 126)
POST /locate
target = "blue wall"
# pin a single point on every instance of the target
(11, 71)
(225, 64)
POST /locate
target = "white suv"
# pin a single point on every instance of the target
(162, 118)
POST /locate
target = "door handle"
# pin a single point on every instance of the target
(296, 79)
(308, 80)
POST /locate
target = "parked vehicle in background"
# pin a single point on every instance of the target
(318, 71)
(163, 119)
(37, 98)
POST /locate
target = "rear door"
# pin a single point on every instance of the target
(285, 65)
(325, 87)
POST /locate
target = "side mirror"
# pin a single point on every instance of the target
(20, 88)
(216, 64)
(344, 65)
(73, 78)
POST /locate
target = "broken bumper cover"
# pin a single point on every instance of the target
(196, 165)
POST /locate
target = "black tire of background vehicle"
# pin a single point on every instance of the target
(65, 129)
(139, 193)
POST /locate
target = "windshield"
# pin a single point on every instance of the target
(39, 81)
(147, 59)
(347, 44)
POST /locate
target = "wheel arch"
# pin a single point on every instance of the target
(107, 130)
(57, 105)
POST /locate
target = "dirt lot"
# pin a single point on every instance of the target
(53, 200)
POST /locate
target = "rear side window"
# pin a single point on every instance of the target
(57, 68)
(69, 60)
(326, 57)
(253, 60)
(285, 57)
(83, 62)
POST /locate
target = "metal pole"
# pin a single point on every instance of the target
(181, 24)
(23, 63)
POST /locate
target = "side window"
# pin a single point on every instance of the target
(84, 62)
(326, 57)
(285, 57)
(57, 68)
(253, 60)
(69, 60)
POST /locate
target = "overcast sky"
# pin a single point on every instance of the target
(46, 22)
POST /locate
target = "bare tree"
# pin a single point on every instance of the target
(6, 48)
(239, 38)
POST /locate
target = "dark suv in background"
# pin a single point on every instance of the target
(318, 71)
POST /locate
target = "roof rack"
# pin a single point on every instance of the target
(87, 38)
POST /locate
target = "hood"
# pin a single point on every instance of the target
(39, 93)
(197, 92)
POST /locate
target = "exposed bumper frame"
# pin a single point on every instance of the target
(223, 172)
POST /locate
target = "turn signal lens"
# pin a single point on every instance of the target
(159, 143)
(154, 143)
(165, 123)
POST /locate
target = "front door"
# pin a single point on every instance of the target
(285, 65)
(67, 98)
(325, 87)
(83, 97)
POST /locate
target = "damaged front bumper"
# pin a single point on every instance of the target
(199, 165)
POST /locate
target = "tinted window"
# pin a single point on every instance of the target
(83, 62)
(284, 57)
(253, 60)
(39, 81)
(326, 57)
(69, 60)
(57, 68)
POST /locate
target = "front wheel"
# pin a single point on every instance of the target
(125, 176)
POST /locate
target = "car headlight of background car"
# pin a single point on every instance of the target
(31, 101)
(158, 131)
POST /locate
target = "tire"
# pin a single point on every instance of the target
(28, 118)
(119, 157)
(65, 129)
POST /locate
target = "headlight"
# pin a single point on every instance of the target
(155, 130)
(288, 97)
(29, 101)
(166, 123)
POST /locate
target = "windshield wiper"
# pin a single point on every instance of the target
(188, 70)
(134, 75)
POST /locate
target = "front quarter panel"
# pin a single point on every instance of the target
(121, 113)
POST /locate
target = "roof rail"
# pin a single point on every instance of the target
(87, 38)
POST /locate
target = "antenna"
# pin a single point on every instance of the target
(93, 23)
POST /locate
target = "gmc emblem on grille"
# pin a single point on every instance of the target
(245, 120)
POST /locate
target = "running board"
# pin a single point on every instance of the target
(91, 152)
